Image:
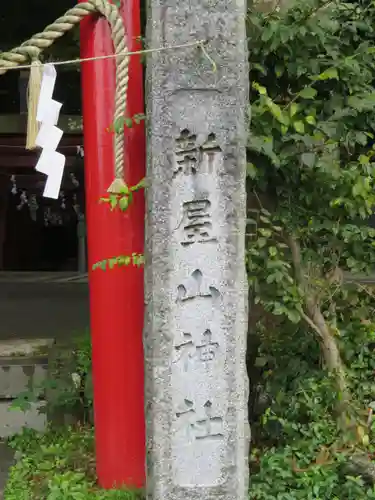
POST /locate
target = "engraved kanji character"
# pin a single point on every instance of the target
(197, 222)
(187, 154)
(185, 416)
(209, 151)
(195, 288)
(186, 350)
(207, 350)
(209, 427)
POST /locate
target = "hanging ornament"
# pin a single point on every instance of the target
(57, 219)
(46, 216)
(14, 184)
(76, 206)
(80, 151)
(23, 200)
(50, 161)
(62, 196)
(52, 218)
(74, 179)
(33, 207)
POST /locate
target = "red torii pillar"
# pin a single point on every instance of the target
(116, 296)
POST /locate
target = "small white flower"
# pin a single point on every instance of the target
(76, 380)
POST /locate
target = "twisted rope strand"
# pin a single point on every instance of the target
(31, 49)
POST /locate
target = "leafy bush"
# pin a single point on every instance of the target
(311, 177)
(57, 465)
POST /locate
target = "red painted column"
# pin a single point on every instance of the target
(116, 296)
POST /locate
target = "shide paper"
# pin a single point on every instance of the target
(50, 163)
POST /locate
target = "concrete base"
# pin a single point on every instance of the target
(23, 367)
(22, 348)
(13, 421)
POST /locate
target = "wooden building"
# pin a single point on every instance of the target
(38, 234)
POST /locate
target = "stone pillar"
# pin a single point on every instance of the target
(196, 288)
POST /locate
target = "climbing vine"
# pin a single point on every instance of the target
(311, 172)
(122, 201)
(124, 198)
(121, 260)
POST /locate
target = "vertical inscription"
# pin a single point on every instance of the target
(195, 328)
(199, 353)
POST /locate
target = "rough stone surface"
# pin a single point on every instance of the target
(21, 376)
(23, 365)
(196, 318)
(13, 421)
(24, 347)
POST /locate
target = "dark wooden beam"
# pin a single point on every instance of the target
(33, 184)
(20, 140)
(9, 162)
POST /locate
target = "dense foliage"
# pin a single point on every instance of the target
(311, 185)
(57, 465)
(60, 463)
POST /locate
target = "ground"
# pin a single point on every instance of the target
(32, 308)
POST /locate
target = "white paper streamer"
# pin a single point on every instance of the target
(50, 161)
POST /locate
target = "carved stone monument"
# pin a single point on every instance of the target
(196, 288)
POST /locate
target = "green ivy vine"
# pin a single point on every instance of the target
(122, 201)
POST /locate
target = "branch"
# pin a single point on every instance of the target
(315, 319)
(296, 259)
(311, 324)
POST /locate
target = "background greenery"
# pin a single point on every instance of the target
(57, 465)
(311, 194)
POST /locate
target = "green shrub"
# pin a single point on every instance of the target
(311, 178)
(299, 451)
(57, 465)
